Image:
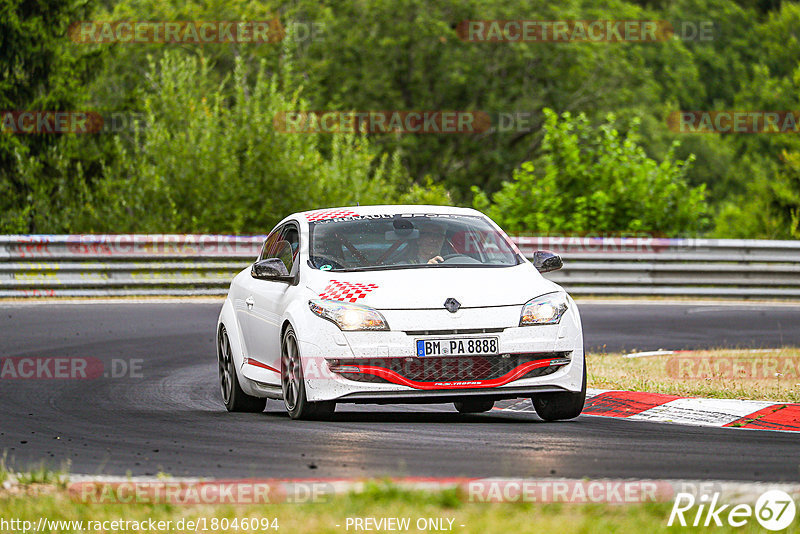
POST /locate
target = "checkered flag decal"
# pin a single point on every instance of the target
(345, 291)
(321, 215)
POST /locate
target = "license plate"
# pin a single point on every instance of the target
(471, 346)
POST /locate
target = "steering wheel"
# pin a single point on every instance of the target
(322, 260)
(451, 256)
(465, 259)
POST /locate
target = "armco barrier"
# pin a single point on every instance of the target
(122, 265)
(163, 265)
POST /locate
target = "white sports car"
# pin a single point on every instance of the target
(398, 304)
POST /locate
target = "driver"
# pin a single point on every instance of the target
(429, 244)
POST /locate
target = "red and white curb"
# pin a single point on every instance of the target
(660, 408)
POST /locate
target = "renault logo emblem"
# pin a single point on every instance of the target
(452, 305)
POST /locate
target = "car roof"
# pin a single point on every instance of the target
(390, 209)
(396, 208)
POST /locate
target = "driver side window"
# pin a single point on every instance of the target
(283, 243)
(269, 249)
(289, 246)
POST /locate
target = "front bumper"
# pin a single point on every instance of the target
(384, 367)
(463, 372)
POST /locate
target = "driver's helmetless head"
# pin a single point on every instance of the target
(431, 238)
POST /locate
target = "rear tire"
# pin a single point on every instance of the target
(556, 406)
(293, 384)
(474, 405)
(235, 399)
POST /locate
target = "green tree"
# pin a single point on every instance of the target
(770, 207)
(38, 71)
(384, 55)
(596, 180)
(210, 159)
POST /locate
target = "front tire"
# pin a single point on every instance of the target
(234, 398)
(566, 405)
(474, 405)
(293, 384)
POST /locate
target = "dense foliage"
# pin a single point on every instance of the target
(207, 157)
(589, 180)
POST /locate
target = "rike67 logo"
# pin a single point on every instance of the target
(774, 510)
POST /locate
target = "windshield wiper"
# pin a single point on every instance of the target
(375, 268)
(418, 266)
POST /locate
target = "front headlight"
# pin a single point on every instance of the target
(349, 316)
(546, 309)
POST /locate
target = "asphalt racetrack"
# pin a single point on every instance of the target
(168, 416)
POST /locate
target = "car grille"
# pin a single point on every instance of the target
(451, 369)
(452, 332)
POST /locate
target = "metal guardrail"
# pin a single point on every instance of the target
(166, 265)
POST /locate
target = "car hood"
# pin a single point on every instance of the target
(428, 288)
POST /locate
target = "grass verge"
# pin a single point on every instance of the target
(380, 500)
(727, 374)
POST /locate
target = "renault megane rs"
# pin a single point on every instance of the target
(398, 304)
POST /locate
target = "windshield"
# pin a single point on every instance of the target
(408, 241)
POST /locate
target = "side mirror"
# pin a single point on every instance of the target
(546, 261)
(270, 269)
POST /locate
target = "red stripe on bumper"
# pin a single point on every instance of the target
(256, 363)
(396, 378)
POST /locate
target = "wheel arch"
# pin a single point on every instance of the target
(286, 324)
(227, 319)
